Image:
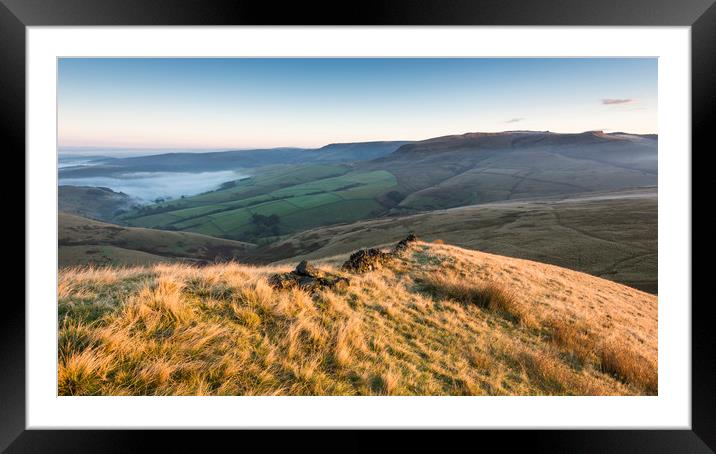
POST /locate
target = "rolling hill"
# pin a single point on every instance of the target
(435, 174)
(93, 202)
(474, 168)
(83, 241)
(437, 320)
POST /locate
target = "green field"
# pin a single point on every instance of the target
(301, 198)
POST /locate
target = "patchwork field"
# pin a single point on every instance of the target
(298, 199)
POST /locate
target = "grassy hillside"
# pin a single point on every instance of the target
(474, 168)
(610, 235)
(82, 241)
(93, 202)
(439, 321)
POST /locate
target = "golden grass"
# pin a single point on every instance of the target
(610, 357)
(629, 366)
(82, 373)
(486, 295)
(438, 321)
(572, 337)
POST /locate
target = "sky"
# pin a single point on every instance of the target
(237, 103)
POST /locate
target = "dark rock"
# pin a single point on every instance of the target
(405, 244)
(284, 281)
(307, 277)
(304, 269)
(371, 259)
(366, 260)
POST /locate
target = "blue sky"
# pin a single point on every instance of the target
(257, 103)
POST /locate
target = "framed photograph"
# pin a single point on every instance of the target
(451, 215)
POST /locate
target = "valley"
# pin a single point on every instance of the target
(421, 176)
(586, 201)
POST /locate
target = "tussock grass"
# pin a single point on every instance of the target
(486, 295)
(438, 321)
(575, 338)
(610, 357)
(629, 366)
(82, 373)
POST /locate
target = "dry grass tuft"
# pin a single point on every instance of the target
(82, 373)
(486, 295)
(609, 357)
(573, 337)
(629, 366)
(158, 307)
(547, 371)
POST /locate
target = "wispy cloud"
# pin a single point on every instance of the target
(610, 101)
(514, 120)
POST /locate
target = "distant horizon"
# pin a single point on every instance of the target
(261, 103)
(82, 150)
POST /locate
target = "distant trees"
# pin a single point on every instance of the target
(391, 199)
(262, 226)
(146, 210)
(395, 196)
(227, 185)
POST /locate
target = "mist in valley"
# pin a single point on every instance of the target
(149, 186)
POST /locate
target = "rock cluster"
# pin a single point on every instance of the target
(405, 243)
(366, 260)
(370, 259)
(307, 277)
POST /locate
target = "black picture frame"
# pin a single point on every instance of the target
(16, 15)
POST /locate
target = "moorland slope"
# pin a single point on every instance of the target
(93, 202)
(83, 241)
(437, 320)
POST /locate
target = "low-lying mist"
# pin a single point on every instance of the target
(149, 186)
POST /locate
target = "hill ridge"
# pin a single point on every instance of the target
(511, 139)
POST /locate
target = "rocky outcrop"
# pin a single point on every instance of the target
(405, 243)
(307, 277)
(366, 260)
